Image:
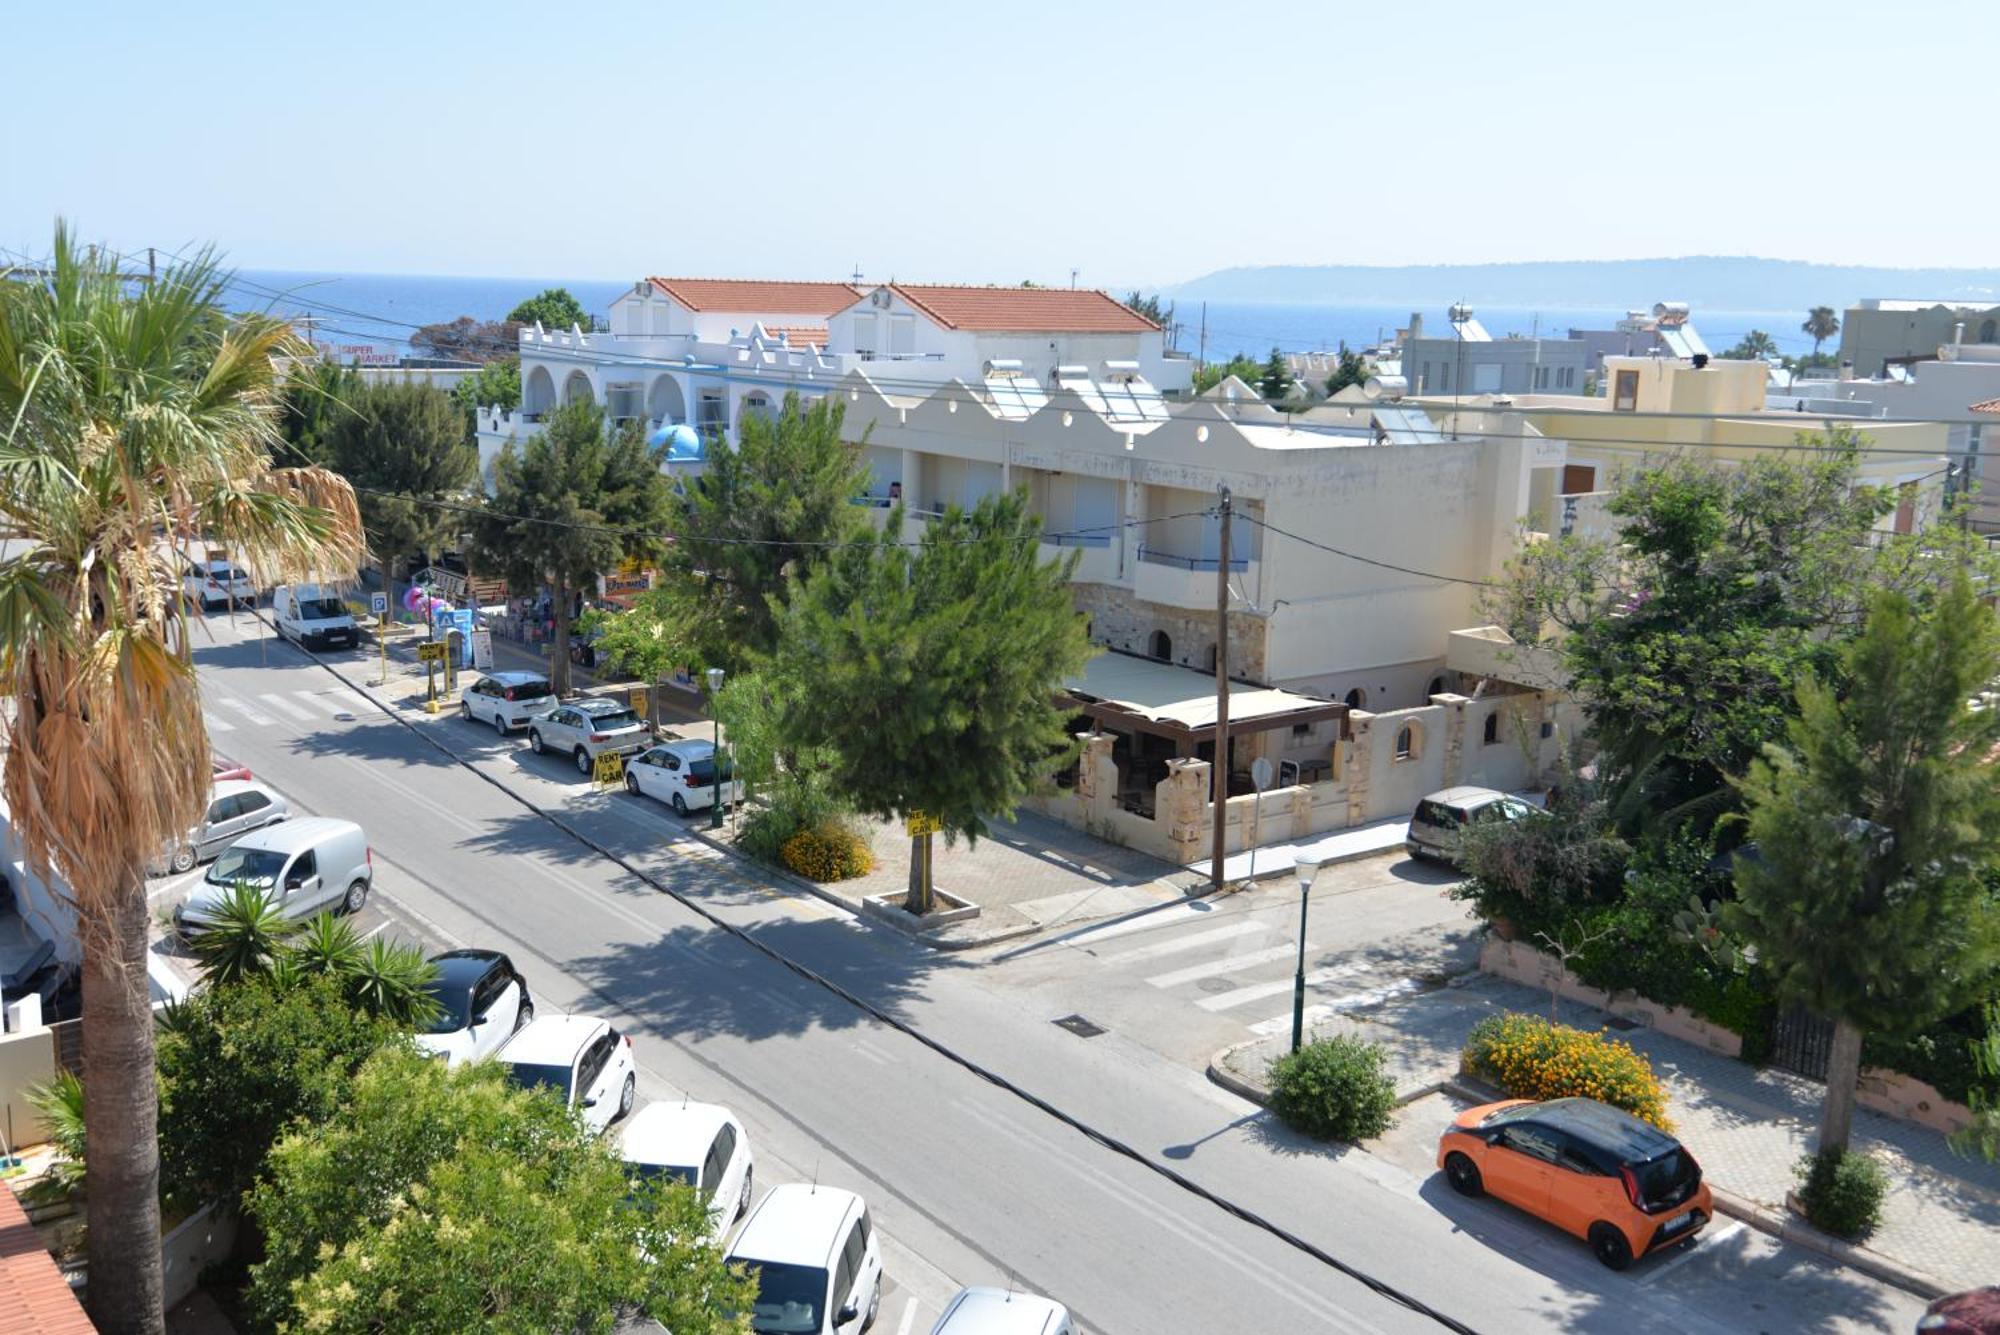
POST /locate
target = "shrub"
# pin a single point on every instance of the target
(829, 852)
(1842, 1192)
(1334, 1088)
(60, 1103)
(1532, 1058)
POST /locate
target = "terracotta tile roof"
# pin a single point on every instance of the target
(1987, 406)
(754, 297)
(1060, 310)
(799, 334)
(34, 1297)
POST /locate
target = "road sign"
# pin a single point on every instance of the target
(378, 604)
(482, 649)
(609, 771)
(638, 701)
(917, 823)
(432, 651)
(1260, 772)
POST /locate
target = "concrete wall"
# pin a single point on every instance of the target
(26, 1059)
(1498, 366)
(1870, 338)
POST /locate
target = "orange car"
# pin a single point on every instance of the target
(1625, 1186)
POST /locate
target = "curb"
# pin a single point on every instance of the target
(1220, 1074)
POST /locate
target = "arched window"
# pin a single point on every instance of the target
(1357, 698)
(1437, 687)
(1492, 729)
(1160, 646)
(757, 404)
(1406, 742)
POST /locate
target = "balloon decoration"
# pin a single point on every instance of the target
(418, 600)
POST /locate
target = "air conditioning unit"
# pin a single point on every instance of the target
(880, 297)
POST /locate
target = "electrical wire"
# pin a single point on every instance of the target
(1367, 560)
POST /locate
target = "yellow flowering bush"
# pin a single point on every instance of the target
(827, 853)
(1533, 1058)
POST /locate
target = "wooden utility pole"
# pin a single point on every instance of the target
(1221, 764)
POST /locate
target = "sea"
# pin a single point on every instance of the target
(355, 311)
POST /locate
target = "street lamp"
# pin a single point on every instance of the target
(1308, 869)
(715, 676)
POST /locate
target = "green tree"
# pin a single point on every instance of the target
(1876, 827)
(1982, 1135)
(468, 340)
(1351, 370)
(1275, 379)
(1821, 324)
(930, 675)
(554, 307)
(759, 516)
(1147, 305)
(570, 505)
(1755, 346)
(403, 446)
(438, 1199)
(127, 412)
(494, 385)
(316, 401)
(1246, 369)
(666, 628)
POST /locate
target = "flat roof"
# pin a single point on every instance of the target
(1176, 701)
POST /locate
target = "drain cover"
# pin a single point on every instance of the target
(1079, 1026)
(1620, 1022)
(1216, 985)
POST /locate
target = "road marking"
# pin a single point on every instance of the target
(319, 701)
(1698, 1247)
(284, 706)
(1282, 1024)
(245, 710)
(1179, 944)
(908, 1322)
(215, 724)
(1146, 922)
(374, 931)
(1231, 964)
(1243, 996)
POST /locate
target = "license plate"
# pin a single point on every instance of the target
(1676, 1227)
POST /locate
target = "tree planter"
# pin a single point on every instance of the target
(947, 909)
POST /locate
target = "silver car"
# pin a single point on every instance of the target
(235, 807)
(587, 729)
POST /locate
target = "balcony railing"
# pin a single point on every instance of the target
(1207, 563)
(1077, 539)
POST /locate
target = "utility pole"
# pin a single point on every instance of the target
(1201, 357)
(152, 266)
(1221, 765)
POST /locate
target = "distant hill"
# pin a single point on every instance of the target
(1718, 282)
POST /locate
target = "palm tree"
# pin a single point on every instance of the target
(131, 418)
(392, 979)
(1822, 324)
(245, 935)
(1755, 346)
(328, 945)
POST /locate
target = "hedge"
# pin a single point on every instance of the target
(1533, 1058)
(1335, 1089)
(827, 853)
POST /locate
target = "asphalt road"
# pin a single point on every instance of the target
(971, 1183)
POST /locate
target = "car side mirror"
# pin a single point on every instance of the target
(294, 882)
(590, 1100)
(846, 1314)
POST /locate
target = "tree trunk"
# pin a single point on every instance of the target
(559, 643)
(121, 1113)
(1843, 1073)
(919, 901)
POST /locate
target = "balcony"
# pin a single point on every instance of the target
(1097, 565)
(1179, 581)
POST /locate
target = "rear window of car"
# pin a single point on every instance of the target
(1668, 1179)
(531, 690)
(703, 770)
(604, 720)
(1438, 814)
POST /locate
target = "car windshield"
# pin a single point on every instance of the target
(670, 1173)
(788, 1297)
(321, 609)
(606, 720)
(257, 867)
(225, 572)
(454, 1007)
(1438, 814)
(1667, 1179)
(532, 1075)
(1513, 1114)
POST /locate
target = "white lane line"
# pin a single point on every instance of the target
(245, 710)
(908, 1322)
(215, 724)
(284, 706)
(323, 702)
(1243, 996)
(1210, 968)
(1179, 944)
(1282, 1024)
(1146, 922)
(1701, 1244)
(376, 930)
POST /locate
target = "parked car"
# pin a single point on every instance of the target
(313, 616)
(482, 1001)
(1435, 825)
(699, 1144)
(587, 729)
(220, 769)
(587, 1062)
(818, 1266)
(1623, 1185)
(1974, 1312)
(214, 583)
(235, 807)
(982, 1311)
(507, 700)
(304, 866)
(681, 774)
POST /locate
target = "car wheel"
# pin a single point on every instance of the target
(743, 1199)
(680, 805)
(465, 710)
(874, 1307)
(631, 783)
(1463, 1174)
(357, 895)
(1610, 1246)
(534, 741)
(524, 1016)
(499, 723)
(583, 762)
(626, 1097)
(184, 858)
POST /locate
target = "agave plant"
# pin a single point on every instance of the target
(327, 947)
(60, 1102)
(245, 934)
(392, 979)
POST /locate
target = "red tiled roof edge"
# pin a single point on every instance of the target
(846, 294)
(948, 323)
(34, 1297)
(1987, 406)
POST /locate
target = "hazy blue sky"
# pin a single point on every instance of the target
(1138, 143)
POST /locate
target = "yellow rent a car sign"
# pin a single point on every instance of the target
(609, 771)
(917, 823)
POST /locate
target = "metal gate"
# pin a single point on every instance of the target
(1801, 1042)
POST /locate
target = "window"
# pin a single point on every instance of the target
(1301, 731)
(1357, 698)
(1986, 331)
(864, 336)
(902, 334)
(1437, 686)
(489, 991)
(1533, 1141)
(1406, 742)
(717, 1162)
(1160, 646)
(593, 1061)
(1625, 397)
(843, 1274)
(1486, 378)
(1492, 729)
(222, 809)
(303, 870)
(249, 803)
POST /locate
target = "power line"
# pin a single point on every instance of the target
(1369, 560)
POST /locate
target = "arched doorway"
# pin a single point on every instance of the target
(665, 402)
(577, 389)
(1357, 698)
(538, 394)
(1161, 647)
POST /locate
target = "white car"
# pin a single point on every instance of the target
(482, 1001)
(584, 1060)
(507, 700)
(982, 1311)
(698, 1144)
(681, 774)
(214, 583)
(818, 1266)
(235, 807)
(587, 729)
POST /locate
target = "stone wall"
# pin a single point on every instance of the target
(1123, 622)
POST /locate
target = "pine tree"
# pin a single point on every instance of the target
(1276, 381)
(403, 447)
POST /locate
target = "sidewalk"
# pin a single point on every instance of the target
(1748, 1127)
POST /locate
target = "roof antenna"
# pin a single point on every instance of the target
(684, 1100)
(815, 1185)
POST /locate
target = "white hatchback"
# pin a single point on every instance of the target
(985, 1311)
(681, 774)
(587, 1062)
(818, 1266)
(507, 700)
(698, 1144)
(213, 583)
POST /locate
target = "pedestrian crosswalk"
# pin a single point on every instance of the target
(274, 708)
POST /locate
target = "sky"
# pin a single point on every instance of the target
(1139, 144)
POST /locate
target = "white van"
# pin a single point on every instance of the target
(314, 616)
(813, 1253)
(305, 867)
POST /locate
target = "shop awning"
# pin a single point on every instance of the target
(1145, 695)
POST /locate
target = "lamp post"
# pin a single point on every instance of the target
(715, 676)
(1308, 869)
